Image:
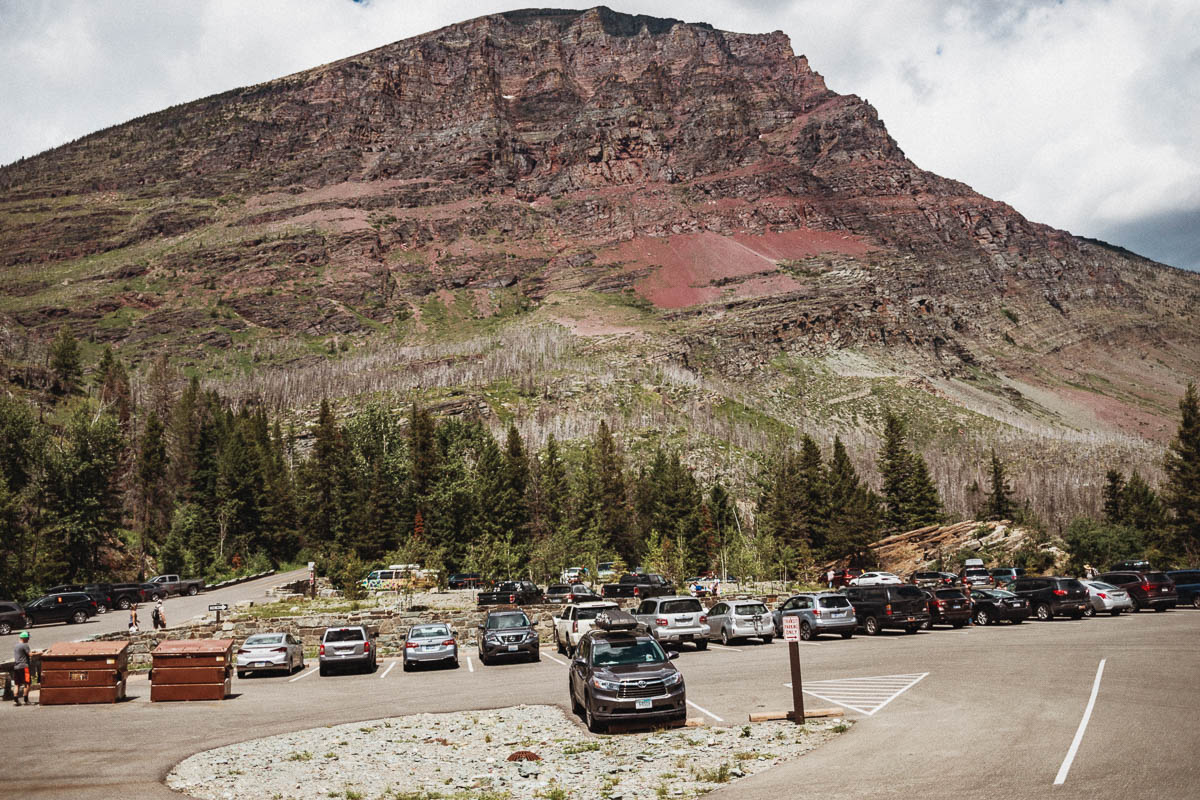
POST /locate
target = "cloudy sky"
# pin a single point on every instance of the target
(1081, 114)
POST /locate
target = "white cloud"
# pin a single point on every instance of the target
(1081, 114)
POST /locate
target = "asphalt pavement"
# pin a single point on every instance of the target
(993, 713)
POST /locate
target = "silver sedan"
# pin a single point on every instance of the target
(274, 652)
(434, 642)
(1106, 597)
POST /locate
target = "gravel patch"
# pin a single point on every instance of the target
(467, 754)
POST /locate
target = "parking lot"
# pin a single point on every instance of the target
(994, 712)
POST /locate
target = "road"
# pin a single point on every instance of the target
(178, 610)
(994, 715)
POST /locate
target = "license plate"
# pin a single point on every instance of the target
(345, 652)
(263, 664)
(912, 619)
(642, 705)
(512, 648)
(1164, 589)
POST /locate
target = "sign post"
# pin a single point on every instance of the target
(791, 635)
(219, 607)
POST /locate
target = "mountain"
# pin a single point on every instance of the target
(562, 216)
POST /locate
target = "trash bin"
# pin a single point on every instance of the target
(191, 669)
(84, 672)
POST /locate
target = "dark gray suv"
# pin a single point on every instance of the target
(507, 633)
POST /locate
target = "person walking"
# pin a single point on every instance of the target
(21, 663)
(158, 617)
(829, 577)
(133, 620)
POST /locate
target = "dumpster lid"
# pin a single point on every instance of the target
(87, 649)
(188, 647)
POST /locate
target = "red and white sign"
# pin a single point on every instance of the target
(791, 629)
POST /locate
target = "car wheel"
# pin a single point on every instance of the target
(806, 632)
(324, 670)
(1017, 620)
(912, 629)
(537, 654)
(558, 644)
(192, 591)
(101, 608)
(871, 626)
(404, 665)
(927, 624)
(123, 604)
(725, 637)
(79, 617)
(575, 707)
(1077, 615)
(702, 644)
(1160, 608)
(981, 617)
(1043, 612)
(28, 622)
(593, 724)
(1196, 600)
(1137, 605)
(241, 674)
(957, 624)
(1116, 612)
(1089, 611)
(847, 635)
(156, 597)
(5, 628)
(767, 639)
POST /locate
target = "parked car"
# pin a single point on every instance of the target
(948, 606)
(1146, 589)
(637, 585)
(576, 620)
(976, 576)
(464, 580)
(622, 674)
(996, 605)
(352, 646)
(96, 591)
(1004, 576)
(1131, 566)
(434, 642)
(675, 619)
(1187, 585)
(574, 575)
(512, 593)
(507, 633)
(167, 585)
(605, 571)
(12, 616)
(740, 619)
(927, 580)
(1104, 597)
(561, 593)
(877, 608)
(842, 577)
(1053, 596)
(270, 652)
(820, 612)
(876, 579)
(69, 607)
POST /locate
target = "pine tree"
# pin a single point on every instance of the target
(65, 362)
(812, 515)
(613, 511)
(1182, 487)
(854, 517)
(153, 501)
(112, 382)
(999, 504)
(895, 465)
(320, 482)
(922, 504)
(1114, 491)
(1141, 507)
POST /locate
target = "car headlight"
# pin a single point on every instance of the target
(607, 686)
(674, 679)
(491, 638)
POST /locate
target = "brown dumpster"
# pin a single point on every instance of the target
(84, 672)
(191, 669)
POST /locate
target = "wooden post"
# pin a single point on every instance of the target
(797, 688)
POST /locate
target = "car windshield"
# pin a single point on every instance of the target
(429, 632)
(264, 638)
(559, 589)
(1157, 577)
(1072, 584)
(344, 635)
(834, 602)
(614, 652)
(972, 571)
(689, 606)
(909, 592)
(751, 608)
(506, 621)
(507, 586)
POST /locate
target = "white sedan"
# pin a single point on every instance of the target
(574, 621)
(875, 579)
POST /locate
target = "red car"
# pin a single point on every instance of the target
(843, 577)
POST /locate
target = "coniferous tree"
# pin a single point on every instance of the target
(855, 517)
(1182, 487)
(320, 483)
(923, 506)
(1114, 491)
(812, 515)
(612, 502)
(112, 383)
(1141, 507)
(65, 363)
(999, 505)
(152, 499)
(895, 466)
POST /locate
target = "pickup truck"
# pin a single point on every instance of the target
(640, 586)
(511, 593)
(167, 585)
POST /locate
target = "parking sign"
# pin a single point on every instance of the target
(791, 629)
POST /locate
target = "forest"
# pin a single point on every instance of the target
(100, 487)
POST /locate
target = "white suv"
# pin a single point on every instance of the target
(574, 621)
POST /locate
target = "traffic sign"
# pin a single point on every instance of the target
(791, 629)
(219, 607)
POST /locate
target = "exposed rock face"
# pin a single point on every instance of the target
(561, 151)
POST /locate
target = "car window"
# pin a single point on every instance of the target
(265, 638)
(751, 608)
(909, 592)
(647, 607)
(507, 586)
(953, 594)
(1157, 577)
(688, 606)
(344, 635)
(1104, 587)
(506, 621)
(614, 652)
(1071, 584)
(803, 603)
(590, 613)
(429, 632)
(834, 602)
(558, 589)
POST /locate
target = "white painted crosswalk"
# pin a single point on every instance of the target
(864, 695)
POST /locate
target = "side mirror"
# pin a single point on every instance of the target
(672, 655)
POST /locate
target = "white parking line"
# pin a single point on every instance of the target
(1087, 715)
(723, 647)
(704, 711)
(864, 695)
(555, 660)
(391, 667)
(470, 665)
(303, 675)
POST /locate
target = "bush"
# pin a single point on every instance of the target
(345, 570)
(1101, 544)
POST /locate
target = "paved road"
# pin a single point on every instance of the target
(179, 610)
(994, 717)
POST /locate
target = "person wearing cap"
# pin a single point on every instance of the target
(21, 669)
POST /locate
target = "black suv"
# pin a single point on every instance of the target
(1146, 589)
(1053, 596)
(880, 607)
(948, 607)
(507, 633)
(71, 607)
(12, 616)
(620, 673)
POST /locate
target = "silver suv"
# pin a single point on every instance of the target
(675, 619)
(738, 619)
(819, 612)
(348, 647)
